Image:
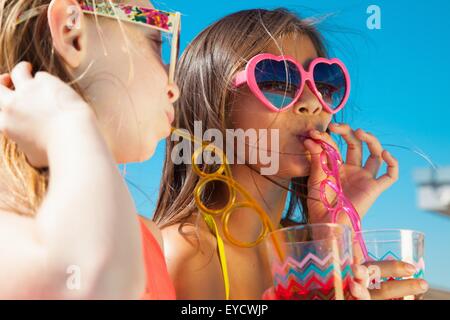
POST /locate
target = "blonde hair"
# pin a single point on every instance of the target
(23, 187)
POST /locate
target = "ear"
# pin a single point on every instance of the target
(67, 27)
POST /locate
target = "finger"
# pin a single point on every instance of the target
(396, 289)
(5, 90)
(361, 275)
(354, 145)
(395, 269)
(21, 74)
(315, 134)
(373, 163)
(315, 149)
(359, 292)
(316, 174)
(392, 171)
(2, 123)
(5, 96)
(43, 75)
(5, 80)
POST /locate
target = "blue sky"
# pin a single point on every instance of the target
(399, 76)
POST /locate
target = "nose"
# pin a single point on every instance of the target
(173, 93)
(308, 103)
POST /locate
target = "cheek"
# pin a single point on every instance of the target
(248, 112)
(326, 120)
(149, 90)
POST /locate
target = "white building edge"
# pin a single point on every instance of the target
(433, 189)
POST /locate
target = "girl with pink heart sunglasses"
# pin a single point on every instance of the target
(278, 82)
(257, 70)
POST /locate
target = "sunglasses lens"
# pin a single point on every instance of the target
(278, 81)
(331, 82)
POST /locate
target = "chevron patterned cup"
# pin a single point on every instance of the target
(316, 262)
(395, 244)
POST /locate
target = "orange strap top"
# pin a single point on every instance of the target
(159, 286)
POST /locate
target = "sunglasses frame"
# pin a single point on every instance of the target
(168, 22)
(248, 77)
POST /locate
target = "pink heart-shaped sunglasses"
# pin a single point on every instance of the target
(278, 81)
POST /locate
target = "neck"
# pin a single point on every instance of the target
(270, 196)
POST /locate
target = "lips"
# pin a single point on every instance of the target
(301, 138)
(304, 135)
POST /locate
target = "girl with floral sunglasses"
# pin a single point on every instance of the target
(258, 70)
(68, 225)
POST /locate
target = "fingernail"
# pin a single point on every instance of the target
(337, 124)
(423, 285)
(410, 269)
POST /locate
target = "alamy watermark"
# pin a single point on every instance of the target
(374, 20)
(251, 146)
(73, 281)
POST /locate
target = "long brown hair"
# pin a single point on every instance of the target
(204, 75)
(22, 186)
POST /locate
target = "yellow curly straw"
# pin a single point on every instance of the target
(223, 174)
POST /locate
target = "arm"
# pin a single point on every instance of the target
(362, 185)
(87, 219)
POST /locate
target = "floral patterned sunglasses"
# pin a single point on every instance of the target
(166, 22)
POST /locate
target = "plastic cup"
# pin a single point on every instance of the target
(315, 264)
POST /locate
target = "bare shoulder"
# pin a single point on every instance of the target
(188, 241)
(193, 262)
(154, 230)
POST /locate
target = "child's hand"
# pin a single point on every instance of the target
(360, 183)
(29, 112)
(396, 289)
(358, 289)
